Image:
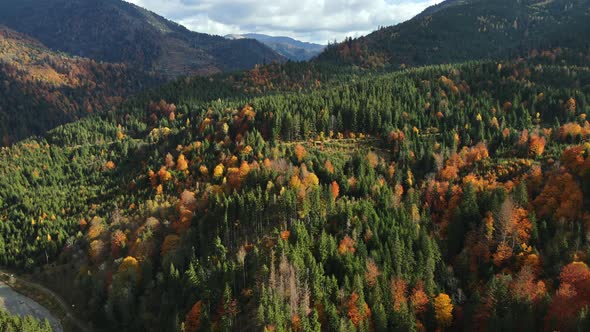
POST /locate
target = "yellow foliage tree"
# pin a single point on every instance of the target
(443, 309)
(130, 265)
(204, 171)
(218, 171)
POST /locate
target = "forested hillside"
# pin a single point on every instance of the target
(119, 32)
(447, 197)
(42, 89)
(462, 30)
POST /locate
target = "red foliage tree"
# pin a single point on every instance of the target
(192, 322)
(573, 295)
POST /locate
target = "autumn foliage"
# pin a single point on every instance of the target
(573, 294)
(192, 322)
(346, 246)
(335, 189)
(357, 311)
(443, 309)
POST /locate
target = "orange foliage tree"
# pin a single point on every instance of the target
(185, 207)
(346, 245)
(373, 159)
(110, 165)
(357, 312)
(300, 152)
(503, 253)
(118, 242)
(335, 189)
(537, 145)
(181, 163)
(561, 199)
(419, 299)
(329, 167)
(570, 105)
(398, 288)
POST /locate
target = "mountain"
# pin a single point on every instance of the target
(120, 32)
(43, 89)
(462, 30)
(290, 48)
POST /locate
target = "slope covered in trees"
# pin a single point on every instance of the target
(456, 31)
(120, 32)
(445, 197)
(42, 89)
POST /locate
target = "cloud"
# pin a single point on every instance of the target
(308, 20)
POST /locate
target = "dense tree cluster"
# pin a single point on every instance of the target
(445, 197)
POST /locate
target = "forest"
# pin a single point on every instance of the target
(308, 197)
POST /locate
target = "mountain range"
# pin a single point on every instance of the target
(119, 32)
(290, 48)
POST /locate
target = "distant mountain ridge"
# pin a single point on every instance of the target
(120, 32)
(463, 30)
(288, 47)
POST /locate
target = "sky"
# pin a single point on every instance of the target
(318, 21)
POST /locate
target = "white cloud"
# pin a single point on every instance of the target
(308, 20)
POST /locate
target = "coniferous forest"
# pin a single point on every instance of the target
(318, 196)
